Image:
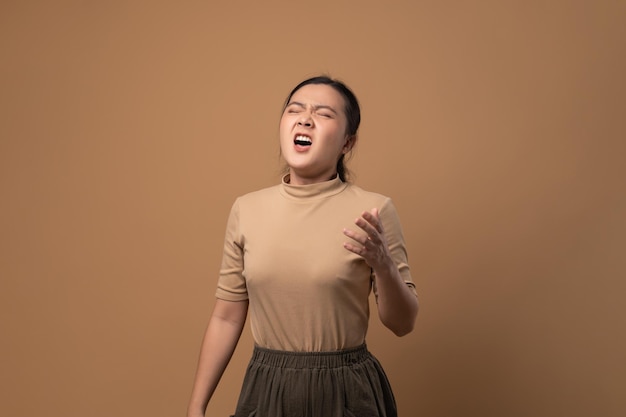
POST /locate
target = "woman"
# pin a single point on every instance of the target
(297, 259)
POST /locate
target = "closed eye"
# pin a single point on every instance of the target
(294, 107)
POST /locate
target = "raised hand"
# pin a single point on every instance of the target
(371, 244)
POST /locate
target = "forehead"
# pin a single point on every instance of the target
(319, 94)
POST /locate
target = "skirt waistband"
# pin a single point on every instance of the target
(310, 360)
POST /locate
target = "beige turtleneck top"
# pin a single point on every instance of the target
(283, 251)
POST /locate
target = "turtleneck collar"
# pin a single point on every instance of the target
(311, 191)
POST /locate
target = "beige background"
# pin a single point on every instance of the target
(128, 128)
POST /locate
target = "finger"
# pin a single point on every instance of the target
(367, 221)
(369, 228)
(358, 237)
(378, 223)
(359, 250)
(373, 218)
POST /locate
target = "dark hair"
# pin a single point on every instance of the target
(352, 110)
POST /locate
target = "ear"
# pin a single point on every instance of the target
(350, 141)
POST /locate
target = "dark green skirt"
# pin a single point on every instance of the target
(346, 383)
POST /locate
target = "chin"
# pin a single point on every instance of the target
(297, 161)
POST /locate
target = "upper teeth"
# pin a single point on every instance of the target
(303, 138)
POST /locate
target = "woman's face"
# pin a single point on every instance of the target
(313, 133)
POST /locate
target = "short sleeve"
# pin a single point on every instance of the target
(231, 285)
(395, 240)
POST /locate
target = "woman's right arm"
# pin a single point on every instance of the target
(220, 339)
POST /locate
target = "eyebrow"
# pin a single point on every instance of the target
(318, 107)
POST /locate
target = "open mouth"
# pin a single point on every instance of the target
(302, 140)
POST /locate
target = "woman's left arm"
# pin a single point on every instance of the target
(397, 303)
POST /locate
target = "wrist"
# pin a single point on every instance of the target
(386, 269)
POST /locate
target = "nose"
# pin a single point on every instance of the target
(305, 120)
